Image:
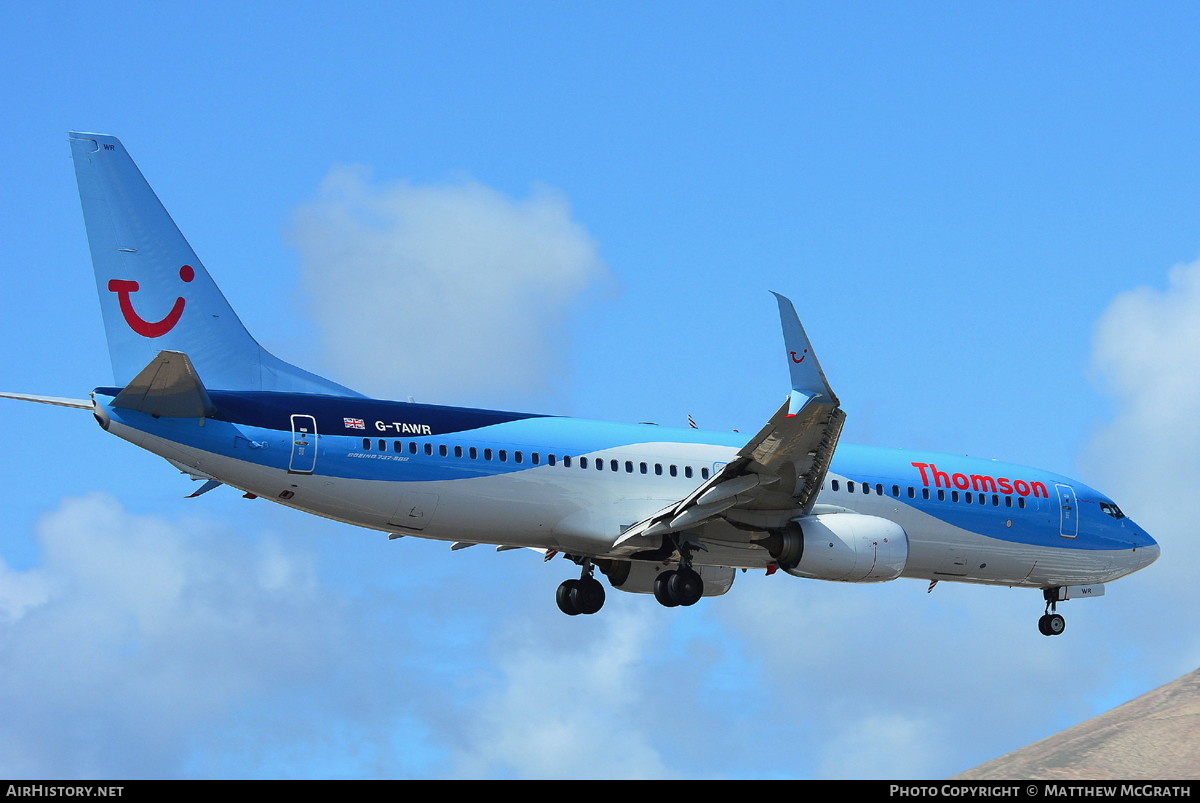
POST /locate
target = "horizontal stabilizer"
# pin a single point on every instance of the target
(82, 404)
(168, 387)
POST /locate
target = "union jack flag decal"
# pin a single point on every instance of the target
(354, 423)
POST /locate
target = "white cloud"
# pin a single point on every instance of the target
(134, 634)
(880, 746)
(453, 293)
(1145, 352)
(569, 710)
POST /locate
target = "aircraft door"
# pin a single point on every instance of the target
(304, 445)
(1068, 511)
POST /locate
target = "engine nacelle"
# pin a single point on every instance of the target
(637, 576)
(848, 547)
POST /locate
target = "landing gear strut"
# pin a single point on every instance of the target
(1051, 624)
(682, 586)
(585, 595)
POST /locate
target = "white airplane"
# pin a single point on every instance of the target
(669, 512)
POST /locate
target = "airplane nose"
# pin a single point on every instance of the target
(1149, 553)
(1146, 549)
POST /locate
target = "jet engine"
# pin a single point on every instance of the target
(847, 547)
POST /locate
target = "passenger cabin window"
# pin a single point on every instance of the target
(473, 452)
(367, 444)
(503, 453)
(566, 461)
(551, 459)
(687, 472)
(487, 454)
(443, 451)
(704, 473)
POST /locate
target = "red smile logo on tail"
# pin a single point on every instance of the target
(124, 287)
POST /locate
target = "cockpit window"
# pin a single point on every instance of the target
(1112, 510)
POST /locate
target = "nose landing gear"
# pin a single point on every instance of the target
(1051, 624)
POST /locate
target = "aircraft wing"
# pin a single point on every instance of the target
(777, 474)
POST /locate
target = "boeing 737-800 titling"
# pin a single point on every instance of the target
(669, 512)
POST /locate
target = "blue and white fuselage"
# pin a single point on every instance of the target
(480, 476)
(673, 512)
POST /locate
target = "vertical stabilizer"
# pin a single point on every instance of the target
(154, 292)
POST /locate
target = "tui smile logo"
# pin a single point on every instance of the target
(124, 288)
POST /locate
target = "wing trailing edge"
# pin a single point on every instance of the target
(776, 476)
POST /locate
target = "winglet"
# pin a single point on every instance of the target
(808, 380)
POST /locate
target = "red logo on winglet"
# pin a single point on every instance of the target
(124, 288)
(799, 360)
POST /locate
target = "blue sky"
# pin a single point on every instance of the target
(986, 216)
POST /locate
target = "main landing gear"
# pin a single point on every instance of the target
(1051, 624)
(585, 595)
(682, 586)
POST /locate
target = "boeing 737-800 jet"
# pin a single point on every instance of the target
(669, 512)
